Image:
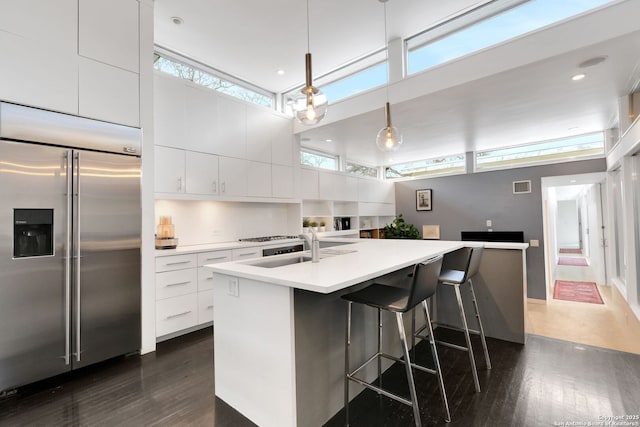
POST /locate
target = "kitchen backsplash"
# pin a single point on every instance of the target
(200, 222)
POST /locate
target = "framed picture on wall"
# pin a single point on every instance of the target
(423, 200)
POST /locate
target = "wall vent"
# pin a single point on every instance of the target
(521, 187)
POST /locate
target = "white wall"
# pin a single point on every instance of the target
(200, 222)
(567, 224)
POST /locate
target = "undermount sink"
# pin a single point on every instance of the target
(281, 262)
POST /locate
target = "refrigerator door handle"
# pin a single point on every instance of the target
(67, 262)
(76, 226)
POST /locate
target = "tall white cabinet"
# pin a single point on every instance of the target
(79, 57)
(232, 150)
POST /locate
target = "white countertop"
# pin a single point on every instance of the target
(371, 258)
(180, 250)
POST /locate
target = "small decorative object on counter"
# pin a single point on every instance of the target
(166, 234)
(305, 226)
(322, 225)
(314, 225)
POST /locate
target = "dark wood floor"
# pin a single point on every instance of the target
(544, 382)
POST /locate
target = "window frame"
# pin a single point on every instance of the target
(203, 68)
(427, 175)
(348, 162)
(319, 153)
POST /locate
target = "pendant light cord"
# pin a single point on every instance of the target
(386, 49)
(308, 31)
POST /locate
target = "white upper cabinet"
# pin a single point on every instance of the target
(281, 181)
(282, 152)
(169, 111)
(201, 120)
(108, 32)
(373, 190)
(108, 93)
(258, 179)
(54, 24)
(232, 131)
(337, 186)
(309, 184)
(259, 135)
(169, 170)
(233, 176)
(32, 74)
(202, 173)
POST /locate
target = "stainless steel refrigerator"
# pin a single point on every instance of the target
(70, 221)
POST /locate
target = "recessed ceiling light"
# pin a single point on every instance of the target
(177, 20)
(592, 61)
(578, 77)
(573, 181)
(280, 72)
(573, 128)
(328, 140)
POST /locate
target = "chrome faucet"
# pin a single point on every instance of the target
(314, 244)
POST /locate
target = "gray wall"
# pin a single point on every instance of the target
(465, 202)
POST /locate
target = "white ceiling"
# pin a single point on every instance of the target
(522, 100)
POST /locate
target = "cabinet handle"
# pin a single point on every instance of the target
(178, 263)
(177, 284)
(184, 313)
(209, 307)
(223, 187)
(179, 184)
(216, 258)
(215, 186)
(209, 278)
(249, 254)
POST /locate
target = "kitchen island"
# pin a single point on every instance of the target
(279, 328)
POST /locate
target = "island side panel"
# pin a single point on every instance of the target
(500, 287)
(320, 321)
(254, 350)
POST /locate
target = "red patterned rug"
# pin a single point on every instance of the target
(570, 251)
(577, 291)
(580, 262)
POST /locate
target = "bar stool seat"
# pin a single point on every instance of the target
(421, 286)
(458, 269)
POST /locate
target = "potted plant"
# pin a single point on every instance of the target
(399, 229)
(305, 225)
(322, 224)
(314, 225)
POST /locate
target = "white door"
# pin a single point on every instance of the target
(169, 170)
(202, 173)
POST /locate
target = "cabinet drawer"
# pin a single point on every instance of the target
(176, 262)
(205, 306)
(205, 279)
(213, 257)
(173, 283)
(246, 253)
(175, 314)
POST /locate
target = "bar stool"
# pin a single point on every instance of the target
(422, 285)
(458, 268)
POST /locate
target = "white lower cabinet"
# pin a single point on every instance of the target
(184, 289)
(205, 306)
(177, 313)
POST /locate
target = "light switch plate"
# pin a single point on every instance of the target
(534, 243)
(489, 223)
(234, 287)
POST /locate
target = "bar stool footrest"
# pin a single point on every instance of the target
(453, 328)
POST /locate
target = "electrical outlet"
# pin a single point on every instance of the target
(534, 243)
(234, 287)
(489, 223)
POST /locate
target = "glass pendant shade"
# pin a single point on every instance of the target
(310, 104)
(389, 138)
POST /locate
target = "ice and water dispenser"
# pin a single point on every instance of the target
(32, 232)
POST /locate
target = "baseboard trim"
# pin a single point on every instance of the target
(536, 301)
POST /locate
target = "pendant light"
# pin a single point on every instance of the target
(389, 138)
(310, 104)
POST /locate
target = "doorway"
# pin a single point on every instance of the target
(575, 251)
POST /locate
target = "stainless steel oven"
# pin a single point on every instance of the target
(298, 247)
